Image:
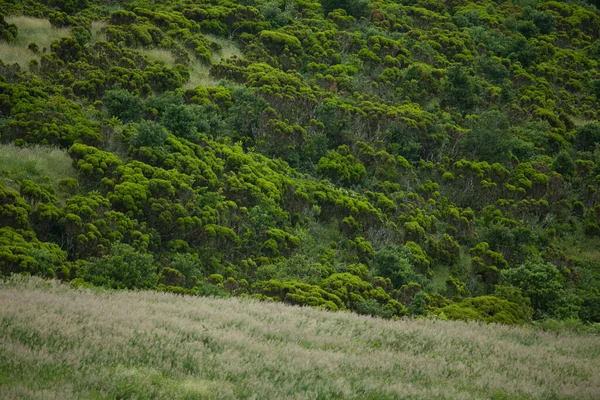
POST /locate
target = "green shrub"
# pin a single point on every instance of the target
(123, 267)
(8, 32)
(542, 283)
(398, 264)
(70, 6)
(150, 134)
(124, 105)
(587, 136)
(355, 8)
(68, 186)
(341, 166)
(485, 308)
(183, 121)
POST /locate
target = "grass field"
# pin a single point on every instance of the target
(199, 72)
(41, 164)
(97, 34)
(31, 30)
(61, 343)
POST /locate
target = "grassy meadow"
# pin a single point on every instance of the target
(31, 30)
(41, 164)
(59, 343)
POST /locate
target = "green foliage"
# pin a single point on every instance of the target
(298, 293)
(489, 138)
(563, 164)
(418, 305)
(486, 309)
(70, 6)
(8, 32)
(92, 163)
(587, 136)
(399, 264)
(340, 166)
(188, 269)
(22, 252)
(14, 211)
(488, 264)
(123, 267)
(355, 8)
(123, 104)
(281, 41)
(461, 89)
(515, 295)
(298, 268)
(149, 134)
(543, 284)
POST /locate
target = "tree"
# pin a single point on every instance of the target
(563, 164)
(182, 121)
(123, 268)
(150, 134)
(461, 89)
(8, 31)
(587, 136)
(489, 138)
(124, 105)
(355, 8)
(399, 264)
(341, 166)
(541, 282)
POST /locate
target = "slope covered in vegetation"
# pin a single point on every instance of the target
(385, 157)
(56, 342)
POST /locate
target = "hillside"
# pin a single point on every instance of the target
(390, 158)
(60, 343)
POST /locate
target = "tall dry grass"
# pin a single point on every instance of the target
(155, 54)
(13, 54)
(36, 30)
(31, 30)
(97, 34)
(41, 164)
(199, 72)
(200, 76)
(229, 48)
(56, 342)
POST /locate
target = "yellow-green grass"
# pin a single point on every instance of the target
(36, 30)
(31, 30)
(41, 164)
(199, 76)
(229, 48)
(97, 34)
(13, 54)
(199, 72)
(155, 54)
(58, 342)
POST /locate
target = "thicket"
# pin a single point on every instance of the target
(381, 157)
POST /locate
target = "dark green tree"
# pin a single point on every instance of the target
(124, 267)
(124, 105)
(150, 134)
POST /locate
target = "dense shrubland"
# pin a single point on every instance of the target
(388, 158)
